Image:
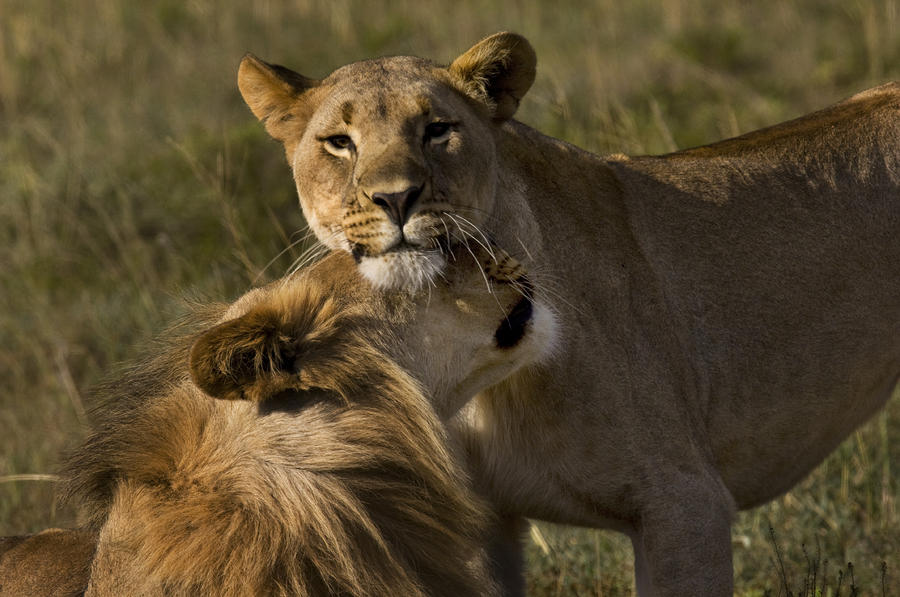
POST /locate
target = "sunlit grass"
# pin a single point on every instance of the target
(131, 174)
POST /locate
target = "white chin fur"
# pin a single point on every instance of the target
(404, 269)
(545, 332)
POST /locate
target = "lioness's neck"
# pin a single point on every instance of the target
(557, 186)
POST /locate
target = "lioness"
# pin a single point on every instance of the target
(726, 315)
(321, 467)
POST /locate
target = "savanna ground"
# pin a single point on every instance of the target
(131, 175)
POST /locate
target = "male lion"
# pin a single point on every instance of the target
(726, 315)
(322, 468)
(53, 562)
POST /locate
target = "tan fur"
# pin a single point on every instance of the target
(54, 562)
(727, 314)
(339, 189)
(301, 457)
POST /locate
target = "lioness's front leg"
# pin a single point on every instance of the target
(682, 543)
(505, 553)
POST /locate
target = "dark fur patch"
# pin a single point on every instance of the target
(512, 328)
(347, 112)
(424, 104)
(294, 79)
(293, 401)
(381, 109)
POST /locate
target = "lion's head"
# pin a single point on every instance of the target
(297, 447)
(469, 332)
(394, 159)
(302, 455)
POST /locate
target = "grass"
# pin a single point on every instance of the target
(132, 174)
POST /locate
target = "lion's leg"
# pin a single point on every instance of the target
(506, 555)
(683, 542)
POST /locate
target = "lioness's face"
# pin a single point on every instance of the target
(395, 175)
(394, 159)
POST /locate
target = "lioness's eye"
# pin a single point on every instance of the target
(339, 142)
(437, 132)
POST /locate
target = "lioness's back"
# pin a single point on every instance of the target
(856, 140)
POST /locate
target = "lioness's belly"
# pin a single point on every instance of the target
(764, 447)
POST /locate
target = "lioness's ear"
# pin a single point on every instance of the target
(272, 92)
(498, 70)
(248, 358)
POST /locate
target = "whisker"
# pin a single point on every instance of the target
(543, 283)
(465, 237)
(434, 243)
(303, 258)
(312, 254)
(447, 230)
(487, 244)
(474, 227)
(552, 293)
(524, 248)
(486, 248)
(306, 230)
(489, 221)
(282, 252)
(520, 288)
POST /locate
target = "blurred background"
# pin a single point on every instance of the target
(132, 175)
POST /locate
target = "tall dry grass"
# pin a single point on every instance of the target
(131, 174)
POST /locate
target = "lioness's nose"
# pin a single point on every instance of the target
(397, 204)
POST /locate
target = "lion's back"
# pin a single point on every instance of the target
(52, 562)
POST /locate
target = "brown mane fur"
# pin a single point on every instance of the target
(89, 471)
(334, 478)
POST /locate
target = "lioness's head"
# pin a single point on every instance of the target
(394, 158)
